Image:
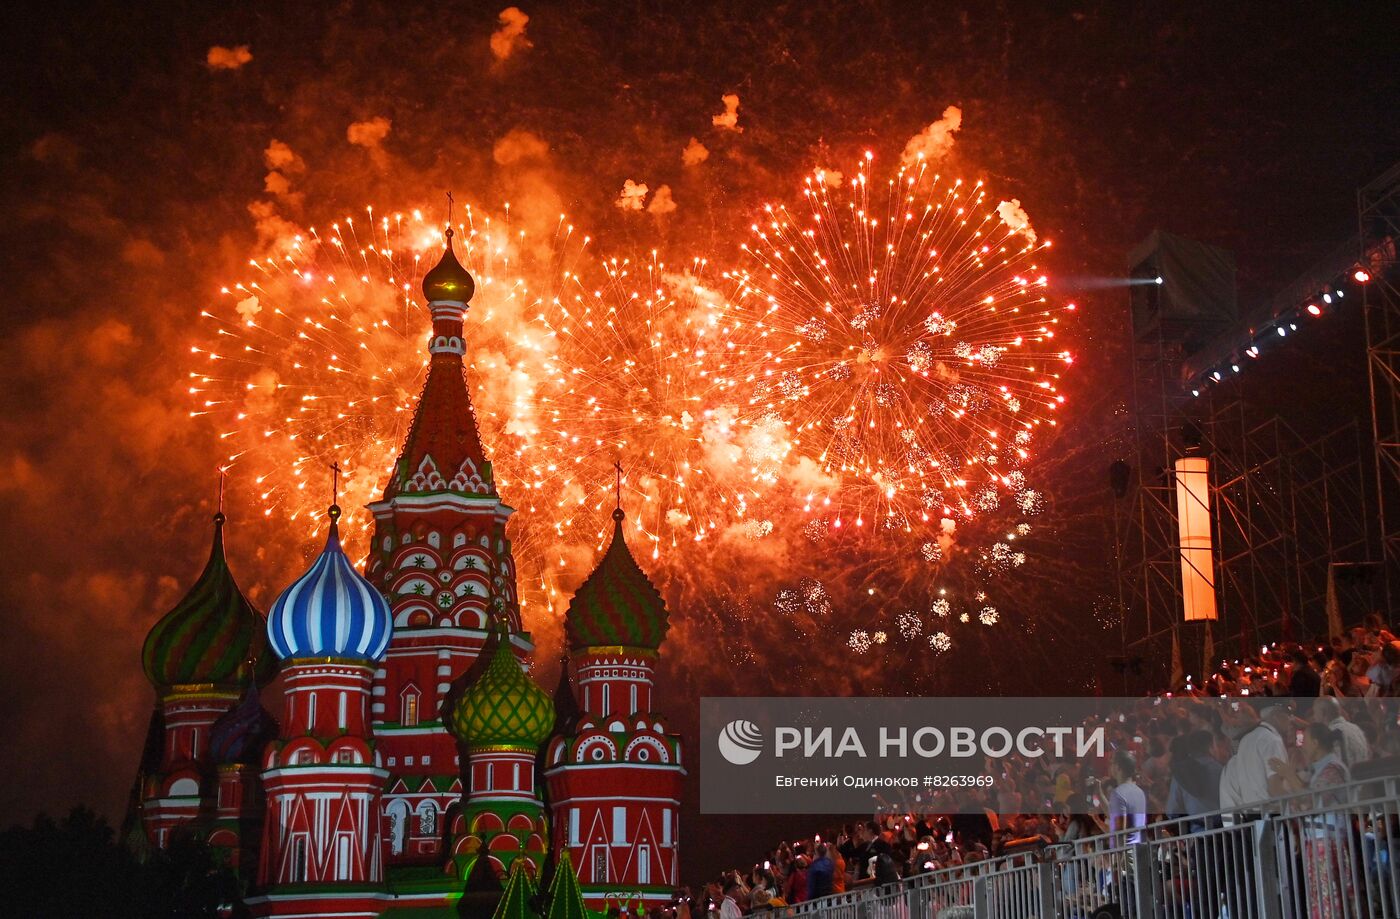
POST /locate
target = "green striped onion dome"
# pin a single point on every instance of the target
(503, 707)
(211, 634)
(617, 604)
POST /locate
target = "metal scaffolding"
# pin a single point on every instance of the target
(1301, 518)
(1289, 515)
(1378, 213)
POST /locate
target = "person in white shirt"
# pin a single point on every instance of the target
(729, 909)
(1248, 779)
(1355, 748)
(1127, 805)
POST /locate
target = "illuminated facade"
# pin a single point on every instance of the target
(405, 757)
(615, 777)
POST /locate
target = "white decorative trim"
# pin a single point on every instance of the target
(468, 478)
(427, 478)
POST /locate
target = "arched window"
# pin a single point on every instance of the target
(409, 704)
(343, 841)
(398, 825)
(427, 819)
(299, 860)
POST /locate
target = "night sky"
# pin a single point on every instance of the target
(138, 146)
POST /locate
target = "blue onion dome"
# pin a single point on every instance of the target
(448, 280)
(239, 734)
(331, 610)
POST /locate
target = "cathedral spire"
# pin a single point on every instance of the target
(443, 451)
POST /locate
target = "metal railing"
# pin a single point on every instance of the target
(1332, 854)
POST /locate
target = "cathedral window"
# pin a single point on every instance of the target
(600, 865)
(666, 827)
(644, 864)
(410, 707)
(619, 828)
(342, 857)
(299, 859)
(427, 819)
(398, 826)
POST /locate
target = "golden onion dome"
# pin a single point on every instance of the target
(448, 280)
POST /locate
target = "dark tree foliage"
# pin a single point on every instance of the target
(76, 867)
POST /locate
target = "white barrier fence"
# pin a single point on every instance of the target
(1317, 855)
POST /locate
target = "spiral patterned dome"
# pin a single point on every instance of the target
(211, 635)
(330, 611)
(448, 280)
(617, 604)
(503, 707)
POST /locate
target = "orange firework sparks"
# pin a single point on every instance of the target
(906, 341)
(869, 370)
(319, 356)
(637, 370)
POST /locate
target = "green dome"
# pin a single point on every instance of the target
(503, 707)
(209, 637)
(617, 604)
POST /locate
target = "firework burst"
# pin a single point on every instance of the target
(318, 355)
(901, 335)
(636, 368)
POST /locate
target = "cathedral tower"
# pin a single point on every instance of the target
(501, 719)
(615, 778)
(441, 557)
(322, 852)
(201, 656)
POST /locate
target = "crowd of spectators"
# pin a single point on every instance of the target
(1166, 759)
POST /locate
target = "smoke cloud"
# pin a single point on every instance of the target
(1014, 216)
(728, 119)
(369, 134)
(510, 37)
(934, 142)
(283, 164)
(661, 203)
(517, 146)
(694, 153)
(632, 197)
(221, 58)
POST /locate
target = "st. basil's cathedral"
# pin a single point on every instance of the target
(416, 770)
